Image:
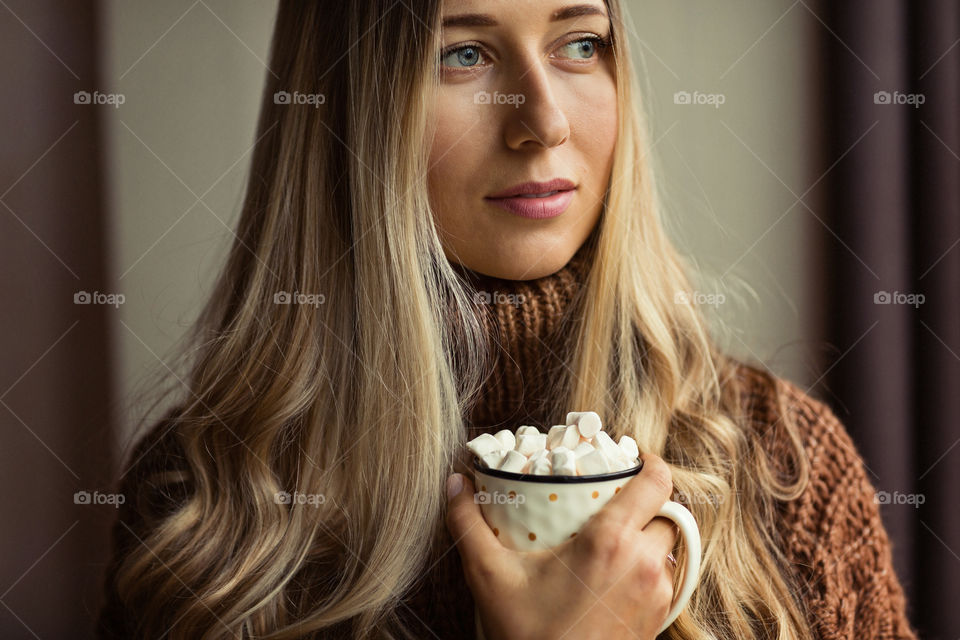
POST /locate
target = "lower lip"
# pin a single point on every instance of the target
(537, 208)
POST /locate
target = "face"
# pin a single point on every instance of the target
(522, 132)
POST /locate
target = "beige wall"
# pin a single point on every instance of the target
(192, 74)
(726, 203)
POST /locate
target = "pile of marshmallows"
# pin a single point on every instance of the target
(579, 447)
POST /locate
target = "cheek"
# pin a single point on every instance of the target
(594, 117)
(600, 116)
(452, 150)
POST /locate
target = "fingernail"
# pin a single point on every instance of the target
(454, 484)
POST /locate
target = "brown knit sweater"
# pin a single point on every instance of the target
(832, 534)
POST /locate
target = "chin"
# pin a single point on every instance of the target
(531, 267)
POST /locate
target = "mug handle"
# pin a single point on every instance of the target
(679, 514)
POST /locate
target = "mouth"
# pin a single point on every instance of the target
(535, 189)
(536, 200)
(536, 195)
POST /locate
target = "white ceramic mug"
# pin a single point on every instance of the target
(530, 512)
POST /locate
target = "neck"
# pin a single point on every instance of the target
(529, 323)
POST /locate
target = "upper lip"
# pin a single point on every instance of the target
(557, 184)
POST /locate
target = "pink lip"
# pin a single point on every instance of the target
(557, 184)
(537, 208)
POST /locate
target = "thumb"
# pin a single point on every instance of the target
(474, 539)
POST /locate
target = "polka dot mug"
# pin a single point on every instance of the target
(529, 512)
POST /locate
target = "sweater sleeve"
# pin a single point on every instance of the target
(836, 540)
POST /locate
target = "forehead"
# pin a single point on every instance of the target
(549, 10)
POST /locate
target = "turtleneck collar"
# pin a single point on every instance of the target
(529, 323)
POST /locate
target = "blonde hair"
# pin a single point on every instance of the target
(288, 397)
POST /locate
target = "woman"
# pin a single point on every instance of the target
(399, 286)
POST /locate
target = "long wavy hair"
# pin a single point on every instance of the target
(360, 395)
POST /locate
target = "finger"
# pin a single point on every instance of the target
(641, 497)
(476, 543)
(661, 533)
(667, 521)
(660, 537)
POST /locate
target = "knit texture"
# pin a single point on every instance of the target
(832, 534)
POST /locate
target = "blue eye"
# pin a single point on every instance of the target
(585, 48)
(466, 56)
(470, 56)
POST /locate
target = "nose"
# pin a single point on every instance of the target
(539, 121)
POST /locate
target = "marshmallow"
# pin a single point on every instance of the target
(564, 462)
(513, 461)
(573, 415)
(592, 462)
(530, 443)
(620, 464)
(580, 447)
(555, 435)
(506, 439)
(629, 446)
(493, 459)
(588, 423)
(583, 449)
(484, 443)
(610, 449)
(536, 455)
(571, 437)
(541, 467)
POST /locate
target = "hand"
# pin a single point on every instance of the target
(611, 580)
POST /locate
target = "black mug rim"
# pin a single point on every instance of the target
(532, 477)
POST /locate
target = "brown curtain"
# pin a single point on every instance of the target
(892, 104)
(894, 208)
(54, 382)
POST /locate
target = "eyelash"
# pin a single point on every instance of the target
(601, 44)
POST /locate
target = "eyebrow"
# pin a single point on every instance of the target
(485, 20)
